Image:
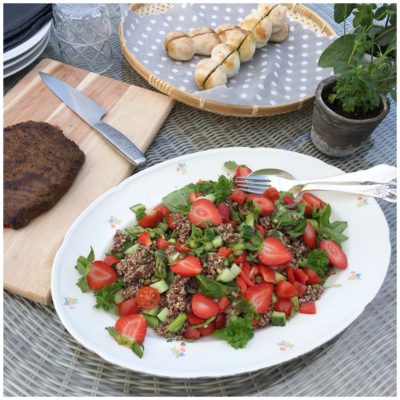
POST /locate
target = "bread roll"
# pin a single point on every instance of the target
(224, 29)
(209, 74)
(227, 56)
(260, 26)
(281, 35)
(277, 13)
(265, 8)
(179, 46)
(205, 39)
(243, 41)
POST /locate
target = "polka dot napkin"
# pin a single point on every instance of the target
(278, 73)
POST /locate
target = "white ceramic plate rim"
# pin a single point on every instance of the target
(209, 372)
(28, 44)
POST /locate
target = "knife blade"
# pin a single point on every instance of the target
(88, 110)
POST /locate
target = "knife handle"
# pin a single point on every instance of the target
(121, 143)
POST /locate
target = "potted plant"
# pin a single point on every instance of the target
(350, 104)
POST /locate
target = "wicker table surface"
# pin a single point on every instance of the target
(42, 359)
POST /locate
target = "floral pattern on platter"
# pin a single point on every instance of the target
(179, 351)
(354, 276)
(181, 168)
(114, 222)
(285, 345)
(70, 302)
(362, 201)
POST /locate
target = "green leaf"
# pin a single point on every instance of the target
(137, 348)
(83, 267)
(317, 260)
(246, 232)
(339, 50)
(83, 284)
(214, 289)
(386, 36)
(237, 332)
(178, 201)
(342, 11)
(324, 215)
(105, 296)
(231, 165)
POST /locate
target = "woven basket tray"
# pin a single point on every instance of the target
(298, 12)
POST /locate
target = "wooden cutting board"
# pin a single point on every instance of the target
(138, 113)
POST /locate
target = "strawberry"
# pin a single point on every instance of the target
(308, 308)
(310, 236)
(336, 255)
(267, 274)
(100, 275)
(128, 307)
(181, 248)
(271, 193)
(274, 252)
(161, 243)
(301, 289)
(204, 307)
(300, 275)
(144, 239)
(225, 251)
(285, 290)
(312, 276)
(223, 303)
(188, 266)
(266, 205)
(238, 196)
(260, 296)
(261, 229)
(204, 212)
(311, 200)
(193, 320)
(193, 196)
(111, 260)
(151, 220)
(243, 170)
(225, 212)
(132, 327)
(163, 209)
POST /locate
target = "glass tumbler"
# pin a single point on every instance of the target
(83, 32)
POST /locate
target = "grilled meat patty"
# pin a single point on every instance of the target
(40, 164)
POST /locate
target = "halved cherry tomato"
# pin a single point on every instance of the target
(242, 285)
(243, 170)
(208, 329)
(313, 277)
(203, 306)
(193, 320)
(147, 297)
(144, 239)
(204, 212)
(223, 303)
(336, 255)
(308, 308)
(260, 296)
(151, 220)
(100, 275)
(225, 251)
(111, 260)
(310, 236)
(163, 209)
(290, 274)
(301, 288)
(271, 193)
(162, 244)
(285, 306)
(261, 229)
(267, 274)
(181, 248)
(300, 275)
(238, 196)
(220, 321)
(266, 205)
(132, 326)
(225, 212)
(191, 333)
(285, 290)
(128, 307)
(188, 266)
(311, 200)
(274, 252)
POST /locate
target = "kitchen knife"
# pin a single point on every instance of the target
(92, 114)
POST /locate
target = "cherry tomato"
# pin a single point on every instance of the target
(147, 297)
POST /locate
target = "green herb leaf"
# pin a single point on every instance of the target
(231, 165)
(237, 332)
(342, 11)
(178, 201)
(83, 265)
(105, 296)
(317, 260)
(339, 50)
(83, 284)
(214, 289)
(137, 348)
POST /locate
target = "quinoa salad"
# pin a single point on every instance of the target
(211, 259)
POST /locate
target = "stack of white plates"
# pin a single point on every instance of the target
(27, 52)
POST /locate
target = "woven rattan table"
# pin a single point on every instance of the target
(42, 359)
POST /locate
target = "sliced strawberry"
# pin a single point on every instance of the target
(151, 220)
(287, 199)
(208, 329)
(225, 212)
(193, 320)
(336, 255)
(266, 205)
(111, 260)
(204, 212)
(132, 327)
(285, 290)
(225, 251)
(246, 278)
(193, 196)
(243, 170)
(100, 275)
(203, 306)
(308, 308)
(271, 193)
(254, 272)
(310, 236)
(267, 274)
(181, 248)
(188, 266)
(191, 333)
(161, 243)
(261, 229)
(278, 267)
(301, 288)
(290, 274)
(285, 306)
(241, 258)
(144, 239)
(223, 303)
(274, 252)
(238, 196)
(300, 275)
(242, 285)
(311, 200)
(128, 307)
(220, 321)
(163, 209)
(260, 296)
(170, 223)
(313, 277)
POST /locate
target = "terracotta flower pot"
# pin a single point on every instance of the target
(338, 136)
